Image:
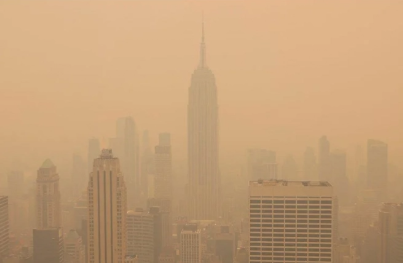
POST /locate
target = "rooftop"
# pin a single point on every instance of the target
(47, 164)
(280, 183)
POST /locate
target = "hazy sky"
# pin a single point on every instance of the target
(287, 72)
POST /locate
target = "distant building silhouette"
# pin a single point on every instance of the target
(310, 165)
(94, 149)
(48, 207)
(107, 211)
(391, 233)
(48, 245)
(377, 166)
(324, 159)
(289, 169)
(74, 248)
(262, 164)
(203, 154)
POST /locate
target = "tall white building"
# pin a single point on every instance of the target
(204, 177)
(48, 210)
(291, 221)
(106, 211)
(190, 245)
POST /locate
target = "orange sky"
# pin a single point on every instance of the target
(287, 72)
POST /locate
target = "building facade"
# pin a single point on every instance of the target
(107, 208)
(291, 221)
(204, 178)
(190, 245)
(4, 227)
(48, 245)
(48, 208)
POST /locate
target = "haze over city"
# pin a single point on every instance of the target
(314, 84)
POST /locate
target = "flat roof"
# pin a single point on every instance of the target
(279, 183)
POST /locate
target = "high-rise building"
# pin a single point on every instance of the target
(291, 221)
(324, 159)
(225, 244)
(203, 164)
(17, 203)
(338, 175)
(147, 166)
(94, 149)
(106, 211)
(310, 166)
(4, 228)
(48, 245)
(126, 147)
(48, 208)
(190, 244)
(74, 248)
(391, 233)
(262, 164)
(377, 166)
(79, 176)
(144, 234)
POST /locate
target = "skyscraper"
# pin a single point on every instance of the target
(147, 166)
(48, 245)
(291, 221)
(338, 175)
(163, 168)
(204, 177)
(106, 211)
(4, 228)
(74, 248)
(94, 150)
(377, 166)
(79, 176)
(48, 209)
(262, 164)
(391, 233)
(190, 245)
(310, 166)
(126, 147)
(324, 153)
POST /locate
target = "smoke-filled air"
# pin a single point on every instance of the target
(201, 131)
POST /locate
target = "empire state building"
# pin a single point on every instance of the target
(204, 177)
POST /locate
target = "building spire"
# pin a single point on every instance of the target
(202, 47)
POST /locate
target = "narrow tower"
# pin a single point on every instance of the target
(106, 211)
(204, 178)
(48, 211)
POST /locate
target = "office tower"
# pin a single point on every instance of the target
(224, 244)
(74, 248)
(338, 175)
(106, 211)
(324, 153)
(79, 177)
(140, 235)
(289, 169)
(126, 147)
(377, 166)
(262, 164)
(48, 210)
(164, 204)
(147, 165)
(391, 233)
(4, 227)
(163, 184)
(144, 234)
(204, 175)
(94, 149)
(190, 245)
(17, 203)
(344, 252)
(310, 166)
(48, 245)
(291, 221)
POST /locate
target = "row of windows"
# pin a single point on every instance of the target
(255, 244)
(291, 211)
(288, 249)
(258, 201)
(292, 254)
(294, 235)
(311, 240)
(290, 230)
(311, 220)
(290, 216)
(287, 259)
(292, 206)
(324, 225)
